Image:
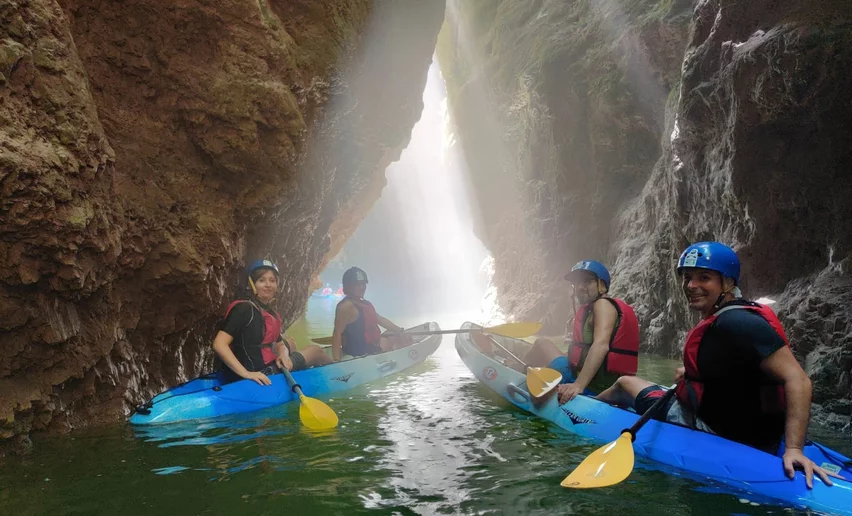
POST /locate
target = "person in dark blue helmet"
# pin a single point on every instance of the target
(356, 322)
(739, 378)
(250, 342)
(603, 339)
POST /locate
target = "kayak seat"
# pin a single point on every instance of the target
(483, 342)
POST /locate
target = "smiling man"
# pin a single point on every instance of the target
(740, 379)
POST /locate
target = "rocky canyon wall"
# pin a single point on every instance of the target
(759, 157)
(560, 108)
(627, 129)
(148, 149)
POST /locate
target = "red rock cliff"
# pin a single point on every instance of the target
(149, 148)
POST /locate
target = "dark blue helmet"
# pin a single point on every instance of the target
(354, 274)
(262, 264)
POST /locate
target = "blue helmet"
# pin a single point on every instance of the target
(711, 255)
(354, 274)
(261, 264)
(597, 268)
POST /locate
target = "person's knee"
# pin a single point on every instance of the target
(632, 384)
(319, 356)
(544, 350)
(622, 381)
(541, 342)
(311, 353)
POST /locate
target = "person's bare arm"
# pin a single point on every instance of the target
(387, 324)
(283, 354)
(345, 314)
(222, 347)
(605, 316)
(782, 366)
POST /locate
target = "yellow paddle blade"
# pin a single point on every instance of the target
(323, 340)
(606, 466)
(516, 330)
(315, 414)
(542, 380)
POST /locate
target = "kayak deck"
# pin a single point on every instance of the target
(206, 396)
(701, 455)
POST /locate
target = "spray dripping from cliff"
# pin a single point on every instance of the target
(417, 244)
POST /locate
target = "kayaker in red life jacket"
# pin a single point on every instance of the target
(250, 342)
(740, 379)
(356, 323)
(604, 338)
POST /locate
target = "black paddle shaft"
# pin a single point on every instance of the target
(295, 387)
(650, 413)
(509, 352)
(426, 332)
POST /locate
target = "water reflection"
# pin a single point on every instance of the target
(433, 441)
(429, 426)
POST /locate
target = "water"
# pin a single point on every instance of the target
(429, 441)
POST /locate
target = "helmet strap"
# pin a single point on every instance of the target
(251, 284)
(733, 291)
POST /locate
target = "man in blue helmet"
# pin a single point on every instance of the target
(605, 338)
(356, 322)
(740, 379)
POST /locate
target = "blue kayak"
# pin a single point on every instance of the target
(702, 456)
(207, 397)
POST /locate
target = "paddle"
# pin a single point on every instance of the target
(613, 463)
(540, 380)
(314, 414)
(515, 330)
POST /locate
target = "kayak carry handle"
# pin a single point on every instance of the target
(384, 367)
(515, 392)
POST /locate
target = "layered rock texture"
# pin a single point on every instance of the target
(560, 107)
(148, 149)
(626, 129)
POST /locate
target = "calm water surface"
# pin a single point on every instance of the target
(432, 441)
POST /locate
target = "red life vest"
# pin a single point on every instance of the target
(623, 355)
(691, 390)
(272, 329)
(372, 332)
(362, 336)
